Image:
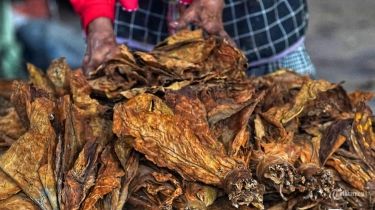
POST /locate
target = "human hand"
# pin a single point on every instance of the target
(206, 14)
(101, 44)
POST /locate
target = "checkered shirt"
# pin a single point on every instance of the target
(298, 61)
(261, 28)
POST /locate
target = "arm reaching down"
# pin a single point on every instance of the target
(97, 19)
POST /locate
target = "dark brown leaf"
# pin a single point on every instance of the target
(109, 177)
(334, 136)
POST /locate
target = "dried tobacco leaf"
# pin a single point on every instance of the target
(358, 96)
(116, 77)
(170, 194)
(208, 194)
(5, 105)
(279, 174)
(178, 67)
(362, 136)
(191, 51)
(331, 105)
(109, 177)
(59, 74)
(8, 187)
(224, 203)
(119, 74)
(265, 145)
(74, 136)
(125, 58)
(170, 65)
(166, 140)
(11, 127)
(152, 115)
(277, 96)
(70, 127)
(275, 162)
(186, 104)
(25, 161)
(355, 173)
(18, 201)
(80, 91)
(282, 76)
(128, 94)
(334, 136)
(38, 78)
(276, 130)
(309, 150)
(123, 152)
(81, 177)
(281, 87)
(79, 121)
(6, 89)
(86, 133)
(130, 164)
(182, 36)
(294, 202)
(225, 99)
(90, 109)
(319, 183)
(308, 92)
(228, 61)
(234, 131)
(342, 199)
(153, 188)
(199, 196)
(24, 93)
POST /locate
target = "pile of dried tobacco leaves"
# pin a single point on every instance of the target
(182, 127)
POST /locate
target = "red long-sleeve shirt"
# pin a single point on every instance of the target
(89, 10)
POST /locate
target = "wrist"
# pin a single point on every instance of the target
(100, 24)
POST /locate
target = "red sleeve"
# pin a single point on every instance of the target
(89, 10)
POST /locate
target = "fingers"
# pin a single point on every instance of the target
(216, 28)
(92, 61)
(100, 48)
(102, 54)
(187, 18)
(86, 60)
(101, 44)
(206, 14)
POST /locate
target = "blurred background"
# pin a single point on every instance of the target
(38, 31)
(340, 39)
(341, 42)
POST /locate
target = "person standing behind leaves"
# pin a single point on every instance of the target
(271, 33)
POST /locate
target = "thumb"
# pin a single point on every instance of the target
(85, 62)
